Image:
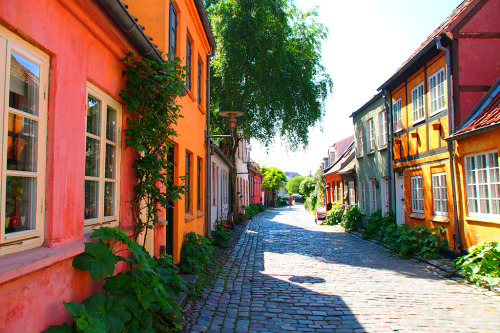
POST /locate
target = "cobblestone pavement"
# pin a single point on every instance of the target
(288, 274)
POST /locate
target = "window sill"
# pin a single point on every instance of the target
(200, 213)
(360, 156)
(190, 93)
(200, 108)
(189, 217)
(440, 218)
(494, 220)
(418, 122)
(370, 153)
(383, 148)
(417, 216)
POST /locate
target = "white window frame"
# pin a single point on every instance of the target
(439, 194)
(370, 135)
(359, 140)
(373, 195)
(352, 193)
(101, 220)
(34, 237)
(474, 181)
(382, 116)
(361, 198)
(417, 194)
(397, 111)
(385, 195)
(437, 92)
(418, 103)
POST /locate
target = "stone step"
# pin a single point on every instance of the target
(182, 298)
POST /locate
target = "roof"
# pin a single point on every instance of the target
(428, 45)
(341, 162)
(348, 168)
(341, 147)
(484, 116)
(373, 99)
(291, 174)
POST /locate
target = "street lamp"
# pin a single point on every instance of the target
(231, 115)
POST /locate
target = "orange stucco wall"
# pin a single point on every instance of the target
(475, 229)
(420, 150)
(84, 45)
(154, 15)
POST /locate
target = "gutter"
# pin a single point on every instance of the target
(451, 144)
(122, 17)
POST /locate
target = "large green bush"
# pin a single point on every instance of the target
(352, 218)
(482, 265)
(196, 252)
(334, 215)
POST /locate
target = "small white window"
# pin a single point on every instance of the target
(359, 140)
(352, 193)
(437, 99)
(373, 195)
(23, 128)
(439, 196)
(417, 194)
(397, 111)
(417, 98)
(382, 117)
(362, 201)
(102, 159)
(371, 135)
(483, 184)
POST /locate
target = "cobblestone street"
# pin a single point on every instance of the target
(288, 274)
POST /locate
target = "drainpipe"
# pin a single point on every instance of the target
(451, 144)
(388, 108)
(208, 156)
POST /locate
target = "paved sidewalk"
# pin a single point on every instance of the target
(288, 274)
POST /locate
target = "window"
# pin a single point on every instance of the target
(188, 183)
(24, 76)
(172, 31)
(102, 156)
(199, 81)
(352, 193)
(439, 197)
(385, 195)
(382, 116)
(483, 185)
(188, 63)
(417, 195)
(198, 186)
(373, 195)
(359, 139)
(213, 184)
(437, 93)
(397, 111)
(417, 99)
(339, 191)
(362, 202)
(371, 135)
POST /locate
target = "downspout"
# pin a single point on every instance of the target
(388, 107)
(451, 143)
(208, 156)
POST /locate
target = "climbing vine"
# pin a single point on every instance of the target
(150, 94)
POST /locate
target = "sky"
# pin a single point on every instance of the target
(368, 41)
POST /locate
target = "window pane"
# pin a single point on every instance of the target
(92, 157)
(24, 84)
(20, 204)
(91, 199)
(110, 161)
(22, 150)
(109, 199)
(111, 124)
(93, 116)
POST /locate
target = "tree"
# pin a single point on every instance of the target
(272, 179)
(306, 186)
(293, 185)
(268, 65)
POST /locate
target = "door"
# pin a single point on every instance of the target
(169, 212)
(385, 195)
(400, 200)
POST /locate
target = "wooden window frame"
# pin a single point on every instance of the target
(397, 111)
(417, 194)
(438, 88)
(418, 103)
(439, 194)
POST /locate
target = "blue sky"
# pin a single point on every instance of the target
(368, 41)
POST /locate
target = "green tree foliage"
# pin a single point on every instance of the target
(306, 186)
(293, 185)
(268, 65)
(272, 178)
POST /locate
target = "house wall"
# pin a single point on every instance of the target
(154, 15)
(475, 229)
(332, 195)
(475, 53)
(372, 165)
(420, 149)
(70, 32)
(221, 183)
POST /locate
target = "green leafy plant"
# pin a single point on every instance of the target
(196, 252)
(351, 218)
(138, 299)
(221, 238)
(151, 109)
(482, 265)
(334, 215)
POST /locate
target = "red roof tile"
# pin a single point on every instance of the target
(489, 116)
